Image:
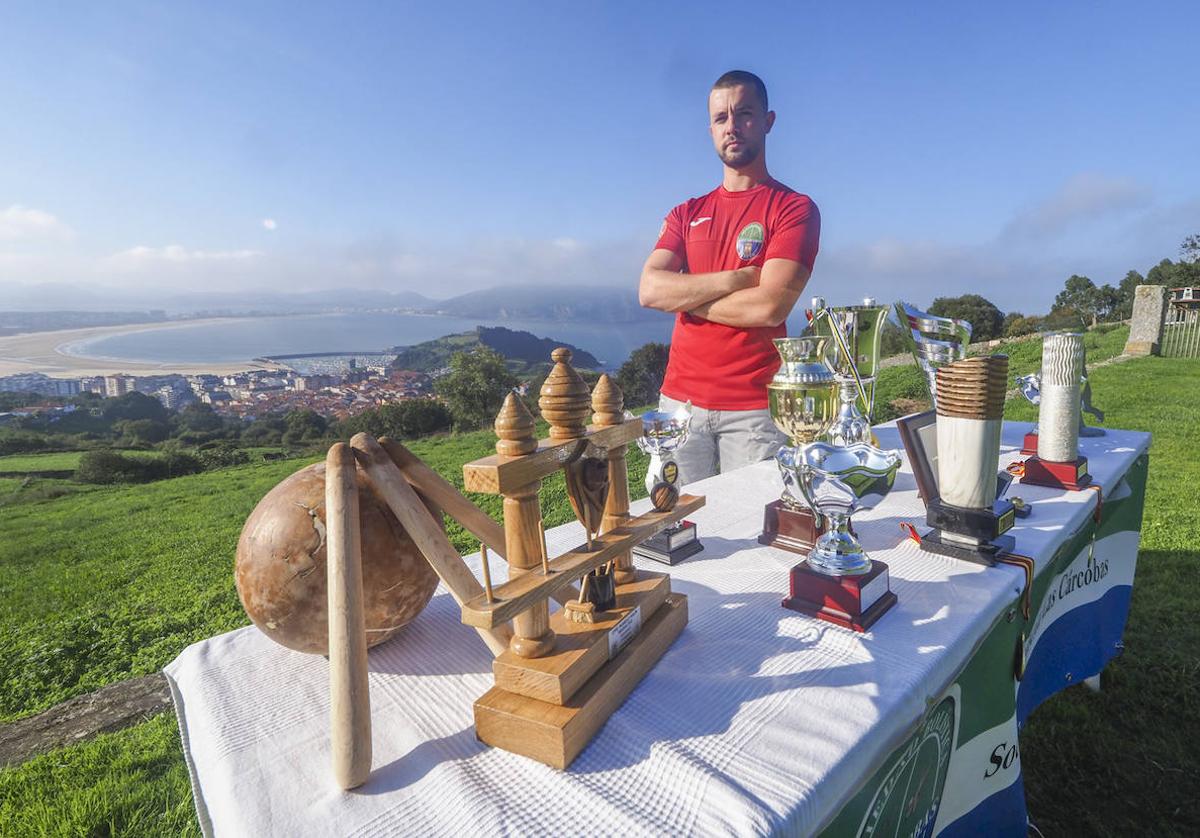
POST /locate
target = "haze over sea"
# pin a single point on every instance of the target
(237, 340)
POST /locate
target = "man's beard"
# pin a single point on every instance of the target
(741, 158)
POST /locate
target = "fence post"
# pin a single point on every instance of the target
(1146, 328)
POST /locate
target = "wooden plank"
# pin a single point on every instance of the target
(519, 593)
(385, 479)
(443, 493)
(580, 649)
(349, 697)
(555, 734)
(496, 475)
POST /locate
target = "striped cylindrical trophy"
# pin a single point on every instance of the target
(970, 411)
(1058, 417)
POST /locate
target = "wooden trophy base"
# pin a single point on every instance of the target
(1029, 444)
(790, 528)
(549, 708)
(1073, 475)
(853, 602)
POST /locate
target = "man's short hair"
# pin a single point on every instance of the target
(735, 77)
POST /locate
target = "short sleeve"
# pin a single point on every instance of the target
(797, 232)
(670, 237)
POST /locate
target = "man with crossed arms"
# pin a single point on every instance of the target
(730, 265)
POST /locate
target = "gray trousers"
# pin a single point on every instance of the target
(722, 440)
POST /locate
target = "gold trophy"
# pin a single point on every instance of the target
(803, 399)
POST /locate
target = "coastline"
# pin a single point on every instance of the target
(50, 353)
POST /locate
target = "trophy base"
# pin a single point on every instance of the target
(671, 546)
(853, 602)
(789, 528)
(984, 553)
(1072, 475)
(1029, 444)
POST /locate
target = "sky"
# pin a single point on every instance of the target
(441, 148)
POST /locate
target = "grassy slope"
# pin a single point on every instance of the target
(1123, 761)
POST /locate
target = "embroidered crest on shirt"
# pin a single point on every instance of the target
(750, 240)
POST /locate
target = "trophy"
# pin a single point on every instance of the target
(839, 582)
(1031, 388)
(935, 341)
(854, 334)
(663, 433)
(803, 399)
(1057, 462)
(968, 515)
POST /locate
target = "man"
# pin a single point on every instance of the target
(731, 264)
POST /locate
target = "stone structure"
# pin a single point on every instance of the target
(1149, 311)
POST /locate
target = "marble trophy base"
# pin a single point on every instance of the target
(853, 602)
(1071, 475)
(795, 529)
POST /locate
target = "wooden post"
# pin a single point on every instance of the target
(350, 701)
(532, 637)
(608, 402)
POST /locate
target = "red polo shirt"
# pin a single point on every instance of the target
(721, 367)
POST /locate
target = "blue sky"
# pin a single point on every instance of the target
(447, 147)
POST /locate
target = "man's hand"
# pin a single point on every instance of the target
(664, 288)
(767, 302)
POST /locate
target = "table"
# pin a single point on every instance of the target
(757, 720)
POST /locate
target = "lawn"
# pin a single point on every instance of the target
(114, 604)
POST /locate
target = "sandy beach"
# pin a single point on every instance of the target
(48, 353)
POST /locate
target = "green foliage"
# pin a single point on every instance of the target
(987, 321)
(523, 352)
(222, 456)
(475, 387)
(408, 419)
(640, 378)
(894, 340)
(303, 426)
(135, 406)
(1017, 324)
(16, 442)
(105, 466)
(1175, 274)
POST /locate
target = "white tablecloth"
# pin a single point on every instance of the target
(757, 719)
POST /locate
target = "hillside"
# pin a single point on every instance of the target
(523, 351)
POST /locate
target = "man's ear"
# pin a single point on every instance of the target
(770, 121)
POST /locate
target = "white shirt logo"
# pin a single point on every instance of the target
(699, 221)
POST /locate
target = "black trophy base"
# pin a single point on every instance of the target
(985, 554)
(853, 602)
(795, 529)
(671, 546)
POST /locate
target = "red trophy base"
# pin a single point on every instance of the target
(787, 528)
(853, 602)
(1029, 444)
(1072, 475)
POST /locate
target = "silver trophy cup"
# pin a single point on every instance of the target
(662, 434)
(935, 341)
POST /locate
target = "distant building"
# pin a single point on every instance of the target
(1185, 305)
(35, 382)
(118, 385)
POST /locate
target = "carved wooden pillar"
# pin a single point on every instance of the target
(532, 636)
(609, 405)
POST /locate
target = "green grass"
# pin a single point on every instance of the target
(133, 782)
(1123, 761)
(54, 461)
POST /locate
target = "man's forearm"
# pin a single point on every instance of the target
(748, 308)
(672, 291)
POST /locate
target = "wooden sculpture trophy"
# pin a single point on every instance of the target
(564, 674)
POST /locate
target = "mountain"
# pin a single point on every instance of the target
(595, 304)
(524, 351)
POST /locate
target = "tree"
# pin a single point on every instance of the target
(640, 378)
(1016, 325)
(1189, 251)
(475, 387)
(1126, 290)
(134, 406)
(1108, 304)
(303, 426)
(1080, 296)
(987, 321)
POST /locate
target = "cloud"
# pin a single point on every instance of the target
(19, 223)
(174, 254)
(269, 224)
(1085, 197)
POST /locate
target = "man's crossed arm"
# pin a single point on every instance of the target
(744, 297)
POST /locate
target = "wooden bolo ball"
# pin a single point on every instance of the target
(281, 566)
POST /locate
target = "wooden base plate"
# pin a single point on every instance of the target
(1074, 475)
(788, 528)
(580, 649)
(555, 734)
(853, 602)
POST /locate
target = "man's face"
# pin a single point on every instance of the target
(739, 124)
